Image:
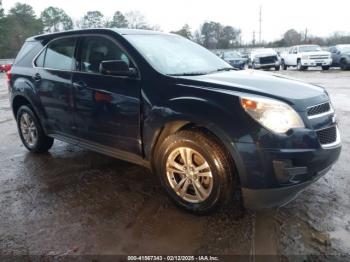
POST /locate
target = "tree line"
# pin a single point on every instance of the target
(21, 22)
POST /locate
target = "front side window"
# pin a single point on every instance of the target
(97, 49)
(60, 54)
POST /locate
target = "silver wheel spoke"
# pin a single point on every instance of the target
(180, 184)
(176, 165)
(175, 170)
(184, 188)
(201, 167)
(204, 174)
(200, 190)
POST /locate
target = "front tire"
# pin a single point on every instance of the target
(283, 65)
(195, 171)
(343, 65)
(277, 68)
(325, 67)
(31, 132)
(299, 66)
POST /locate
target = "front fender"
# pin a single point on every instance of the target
(208, 114)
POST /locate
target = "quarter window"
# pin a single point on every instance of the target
(97, 49)
(59, 54)
(39, 62)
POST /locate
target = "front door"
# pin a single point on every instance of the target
(107, 107)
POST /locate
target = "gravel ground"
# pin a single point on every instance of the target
(74, 201)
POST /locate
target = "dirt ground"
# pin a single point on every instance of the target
(73, 201)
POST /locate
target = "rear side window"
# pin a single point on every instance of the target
(27, 53)
(59, 54)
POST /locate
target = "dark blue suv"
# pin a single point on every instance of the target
(166, 103)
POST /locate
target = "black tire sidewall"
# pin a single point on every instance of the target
(218, 171)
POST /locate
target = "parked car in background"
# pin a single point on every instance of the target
(5, 68)
(305, 56)
(234, 58)
(167, 103)
(265, 58)
(340, 56)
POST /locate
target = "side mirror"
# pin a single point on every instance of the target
(117, 68)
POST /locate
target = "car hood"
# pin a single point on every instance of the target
(292, 91)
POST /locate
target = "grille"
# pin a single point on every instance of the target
(319, 57)
(268, 60)
(319, 109)
(327, 135)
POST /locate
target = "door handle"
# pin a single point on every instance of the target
(79, 85)
(37, 77)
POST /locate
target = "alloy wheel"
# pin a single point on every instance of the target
(189, 175)
(28, 129)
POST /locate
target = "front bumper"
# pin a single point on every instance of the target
(266, 66)
(275, 177)
(316, 62)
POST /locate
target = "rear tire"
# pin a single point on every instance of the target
(31, 132)
(195, 171)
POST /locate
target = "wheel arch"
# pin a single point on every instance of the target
(212, 131)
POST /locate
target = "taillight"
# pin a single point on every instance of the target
(8, 74)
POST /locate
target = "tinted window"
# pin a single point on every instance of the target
(59, 54)
(39, 62)
(98, 49)
(27, 53)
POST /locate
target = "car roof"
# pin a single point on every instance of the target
(120, 31)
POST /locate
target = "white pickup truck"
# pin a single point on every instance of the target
(304, 56)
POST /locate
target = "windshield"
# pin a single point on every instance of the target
(232, 55)
(345, 48)
(309, 48)
(175, 55)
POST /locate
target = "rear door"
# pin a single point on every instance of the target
(107, 107)
(53, 80)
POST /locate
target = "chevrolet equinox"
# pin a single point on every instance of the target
(164, 102)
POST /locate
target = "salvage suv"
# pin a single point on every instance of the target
(164, 102)
(305, 56)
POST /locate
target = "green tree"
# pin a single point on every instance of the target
(136, 20)
(1, 10)
(292, 37)
(118, 21)
(18, 25)
(228, 37)
(92, 19)
(210, 32)
(185, 31)
(55, 20)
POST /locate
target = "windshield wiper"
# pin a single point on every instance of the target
(225, 69)
(190, 74)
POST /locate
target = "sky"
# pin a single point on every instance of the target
(319, 17)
